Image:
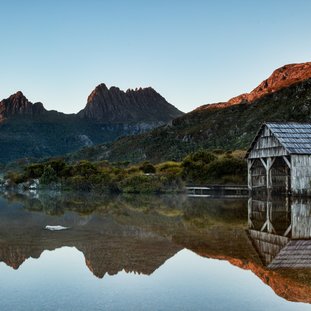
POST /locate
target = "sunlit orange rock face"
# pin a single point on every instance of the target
(281, 281)
(280, 78)
(233, 245)
(287, 284)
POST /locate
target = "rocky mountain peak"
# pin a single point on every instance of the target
(116, 106)
(98, 91)
(19, 94)
(18, 99)
(18, 104)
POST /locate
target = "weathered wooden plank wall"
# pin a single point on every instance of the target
(301, 174)
(301, 220)
(267, 146)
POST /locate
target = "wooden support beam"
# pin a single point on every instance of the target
(270, 227)
(268, 223)
(272, 161)
(264, 226)
(250, 214)
(249, 173)
(263, 163)
(251, 163)
(268, 173)
(288, 230)
(287, 162)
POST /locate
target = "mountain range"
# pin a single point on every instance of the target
(139, 125)
(29, 130)
(284, 96)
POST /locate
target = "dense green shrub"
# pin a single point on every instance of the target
(15, 177)
(79, 183)
(200, 167)
(84, 168)
(172, 182)
(34, 170)
(202, 155)
(218, 151)
(49, 175)
(227, 166)
(58, 165)
(147, 168)
(195, 166)
(169, 167)
(141, 184)
(204, 167)
(133, 170)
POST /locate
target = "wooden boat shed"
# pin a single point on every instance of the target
(280, 231)
(279, 158)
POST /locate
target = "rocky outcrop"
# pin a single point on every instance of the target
(18, 105)
(115, 105)
(291, 285)
(281, 78)
(286, 83)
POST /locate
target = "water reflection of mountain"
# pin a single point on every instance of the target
(140, 233)
(107, 245)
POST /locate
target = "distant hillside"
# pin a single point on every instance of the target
(284, 96)
(29, 130)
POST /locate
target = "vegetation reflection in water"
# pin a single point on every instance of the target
(141, 233)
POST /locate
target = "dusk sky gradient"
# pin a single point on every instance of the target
(191, 52)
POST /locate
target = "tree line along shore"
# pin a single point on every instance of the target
(198, 168)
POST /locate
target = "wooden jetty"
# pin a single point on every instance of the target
(198, 191)
(217, 190)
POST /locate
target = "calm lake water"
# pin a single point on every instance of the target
(153, 253)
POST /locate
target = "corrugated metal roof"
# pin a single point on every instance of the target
(295, 137)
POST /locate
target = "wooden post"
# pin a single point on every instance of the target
(266, 168)
(269, 217)
(287, 162)
(288, 173)
(268, 223)
(268, 165)
(269, 181)
(250, 214)
(249, 173)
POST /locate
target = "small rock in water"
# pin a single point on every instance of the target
(56, 228)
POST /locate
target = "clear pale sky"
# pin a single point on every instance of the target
(192, 52)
